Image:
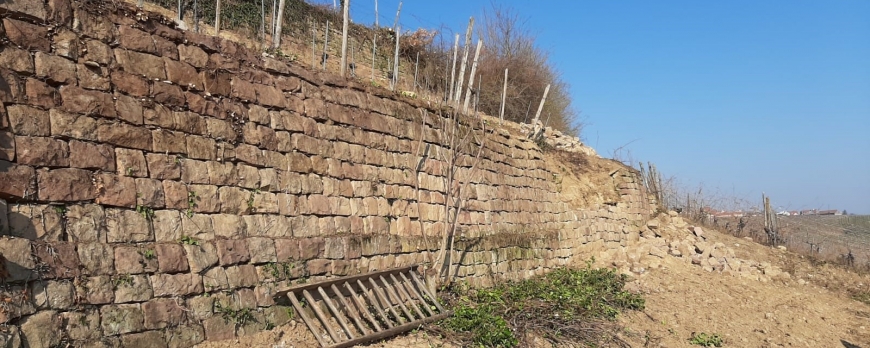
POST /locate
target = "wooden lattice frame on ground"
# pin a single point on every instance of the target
(364, 308)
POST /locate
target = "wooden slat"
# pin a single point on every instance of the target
(385, 300)
(371, 295)
(353, 316)
(309, 286)
(400, 287)
(410, 287)
(338, 317)
(394, 331)
(423, 288)
(362, 307)
(392, 293)
(320, 316)
(298, 307)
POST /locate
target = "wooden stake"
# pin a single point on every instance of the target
(416, 65)
(180, 11)
(395, 80)
(195, 18)
(458, 91)
(541, 106)
(217, 17)
(276, 40)
(376, 14)
(396, 22)
(453, 69)
(471, 76)
(343, 70)
(503, 96)
(313, 46)
(374, 45)
(263, 22)
(324, 57)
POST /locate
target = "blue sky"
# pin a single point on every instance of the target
(740, 97)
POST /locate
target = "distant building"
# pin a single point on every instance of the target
(829, 212)
(809, 212)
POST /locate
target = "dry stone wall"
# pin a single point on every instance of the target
(158, 185)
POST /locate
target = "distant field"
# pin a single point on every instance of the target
(829, 237)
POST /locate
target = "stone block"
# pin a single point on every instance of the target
(131, 163)
(184, 336)
(229, 226)
(141, 64)
(121, 319)
(201, 256)
(200, 147)
(147, 339)
(88, 102)
(216, 279)
(116, 190)
(40, 94)
(127, 226)
(124, 135)
(86, 155)
(42, 329)
(190, 123)
(19, 261)
(129, 109)
(234, 200)
(182, 74)
(181, 284)
(26, 35)
(262, 250)
(133, 260)
(98, 52)
(85, 223)
(36, 222)
(81, 326)
(163, 167)
(27, 120)
(55, 68)
(162, 312)
(93, 77)
(61, 259)
(167, 94)
(206, 198)
(132, 288)
(41, 152)
(95, 290)
(130, 84)
(149, 193)
(218, 329)
(167, 141)
(16, 60)
(167, 225)
(171, 258)
(232, 251)
(66, 184)
(135, 39)
(177, 196)
(242, 276)
(192, 55)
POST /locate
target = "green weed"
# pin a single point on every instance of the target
(706, 340)
(188, 240)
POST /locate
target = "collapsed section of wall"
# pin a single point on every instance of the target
(156, 183)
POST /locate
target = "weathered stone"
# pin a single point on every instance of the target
(60, 258)
(127, 226)
(87, 102)
(95, 290)
(82, 326)
(60, 11)
(148, 339)
(124, 135)
(166, 141)
(171, 258)
(200, 147)
(129, 109)
(41, 152)
(262, 250)
(98, 52)
(132, 288)
(206, 199)
(40, 94)
(7, 146)
(192, 55)
(97, 259)
(141, 64)
(130, 84)
(116, 190)
(215, 279)
(96, 26)
(217, 83)
(135, 39)
(131, 163)
(84, 223)
(26, 35)
(185, 336)
(232, 251)
(218, 329)
(176, 195)
(65, 185)
(72, 125)
(36, 222)
(19, 262)
(133, 260)
(242, 276)
(163, 167)
(42, 330)
(28, 8)
(121, 319)
(93, 77)
(55, 68)
(181, 284)
(16, 60)
(167, 94)
(53, 294)
(167, 225)
(162, 312)
(26, 120)
(190, 123)
(201, 256)
(182, 74)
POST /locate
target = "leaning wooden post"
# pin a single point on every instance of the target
(180, 11)
(471, 76)
(503, 96)
(217, 17)
(395, 79)
(343, 69)
(453, 69)
(263, 22)
(396, 22)
(535, 128)
(323, 57)
(458, 91)
(276, 39)
(416, 65)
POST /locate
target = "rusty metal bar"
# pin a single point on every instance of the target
(298, 307)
